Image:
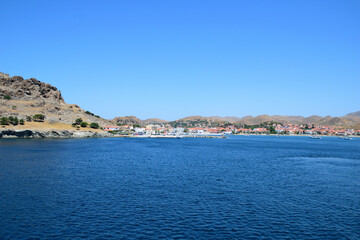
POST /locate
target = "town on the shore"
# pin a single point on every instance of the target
(270, 128)
(29, 106)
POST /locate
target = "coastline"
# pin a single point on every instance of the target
(37, 134)
(220, 136)
(49, 130)
(291, 135)
(11, 133)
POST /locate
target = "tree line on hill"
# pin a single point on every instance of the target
(15, 121)
(79, 123)
(40, 118)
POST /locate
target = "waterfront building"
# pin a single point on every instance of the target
(111, 128)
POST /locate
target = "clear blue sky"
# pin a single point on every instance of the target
(171, 59)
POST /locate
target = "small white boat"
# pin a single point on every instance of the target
(315, 137)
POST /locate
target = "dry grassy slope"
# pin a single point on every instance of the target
(46, 126)
(200, 118)
(249, 120)
(132, 120)
(312, 119)
(347, 121)
(54, 112)
(225, 119)
(356, 126)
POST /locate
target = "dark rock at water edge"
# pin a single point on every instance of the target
(50, 134)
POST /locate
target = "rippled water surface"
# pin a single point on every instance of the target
(236, 188)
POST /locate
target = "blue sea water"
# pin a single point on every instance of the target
(256, 187)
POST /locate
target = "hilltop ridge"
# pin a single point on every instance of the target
(19, 88)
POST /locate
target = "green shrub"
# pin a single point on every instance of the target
(90, 113)
(84, 124)
(38, 118)
(272, 130)
(28, 118)
(11, 119)
(7, 97)
(4, 121)
(16, 121)
(94, 125)
(21, 121)
(78, 121)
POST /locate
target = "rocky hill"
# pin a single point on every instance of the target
(20, 89)
(128, 120)
(132, 120)
(23, 98)
(199, 121)
(154, 121)
(353, 114)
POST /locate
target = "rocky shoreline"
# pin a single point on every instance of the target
(50, 134)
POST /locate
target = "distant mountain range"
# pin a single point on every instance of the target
(351, 120)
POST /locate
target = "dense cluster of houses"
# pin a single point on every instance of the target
(290, 129)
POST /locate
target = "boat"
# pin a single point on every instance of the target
(345, 137)
(315, 137)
